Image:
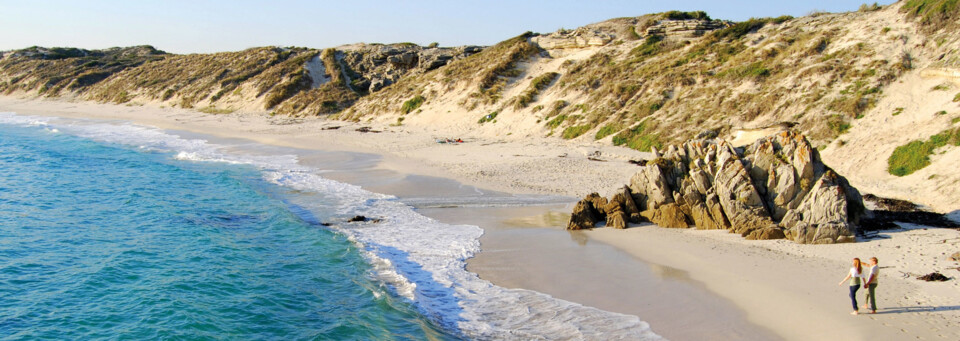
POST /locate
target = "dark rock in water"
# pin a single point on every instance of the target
(775, 188)
(325, 224)
(617, 220)
(357, 218)
(583, 217)
(934, 277)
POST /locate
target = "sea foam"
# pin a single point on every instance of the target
(416, 257)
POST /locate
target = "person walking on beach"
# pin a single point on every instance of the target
(870, 285)
(854, 276)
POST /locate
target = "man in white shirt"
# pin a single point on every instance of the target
(870, 283)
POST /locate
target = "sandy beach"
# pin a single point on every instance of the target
(688, 284)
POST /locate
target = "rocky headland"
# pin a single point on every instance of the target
(775, 188)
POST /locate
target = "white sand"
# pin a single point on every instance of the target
(786, 287)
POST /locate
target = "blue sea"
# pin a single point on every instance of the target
(110, 230)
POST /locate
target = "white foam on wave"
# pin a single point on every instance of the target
(415, 256)
(22, 120)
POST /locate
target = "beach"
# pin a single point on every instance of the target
(687, 284)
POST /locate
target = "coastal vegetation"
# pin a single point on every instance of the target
(915, 155)
(412, 104)
(536, 86)
(933, 14)
(647, 81)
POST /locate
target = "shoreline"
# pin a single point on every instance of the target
(494, 165)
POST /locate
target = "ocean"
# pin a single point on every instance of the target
(113, 230)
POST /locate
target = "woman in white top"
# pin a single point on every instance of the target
(856, 272)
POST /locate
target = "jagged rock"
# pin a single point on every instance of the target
(611, 207)
(685, 28)
(668, 215)
(775, 188)
(740, 200)
(955, 256)
(372, 67)
(624, 199)
(617, 220)
(827, 233)
(597, 202)
(765, 234)
(583, 216)
(649, 188)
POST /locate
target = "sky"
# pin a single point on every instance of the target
(200, 26)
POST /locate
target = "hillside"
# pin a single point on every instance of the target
(876, 90)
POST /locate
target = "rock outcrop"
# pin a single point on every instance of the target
(685, 29)
(372, 67)
(775, 188)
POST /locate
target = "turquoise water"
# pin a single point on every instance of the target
(101, 240)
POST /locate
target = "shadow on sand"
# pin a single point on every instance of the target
(917, 309)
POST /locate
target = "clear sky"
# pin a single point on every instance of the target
(185, 26)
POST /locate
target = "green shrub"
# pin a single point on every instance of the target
(933, 14)
(536, 85)
(897, 111)
(678, 15)
(635, 138)
(941, 87)
(575, 131)
(754, 70)
(122, 97)
(941, 113)
(287, 89)
(837, 124)
(915, 155)
(608, 130)
(956, 98)
(740, 29)
(869, 8)
(412, 104)
(633, 33)
(650, 46)
(215, 111)
(556, 121)
(489, 117)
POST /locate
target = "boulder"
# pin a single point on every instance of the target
(598, 203)
(766, 233)
(668, 215)
(617, 220)
(583, 217)
(624, 198)
(739, 198)
(827, 233)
